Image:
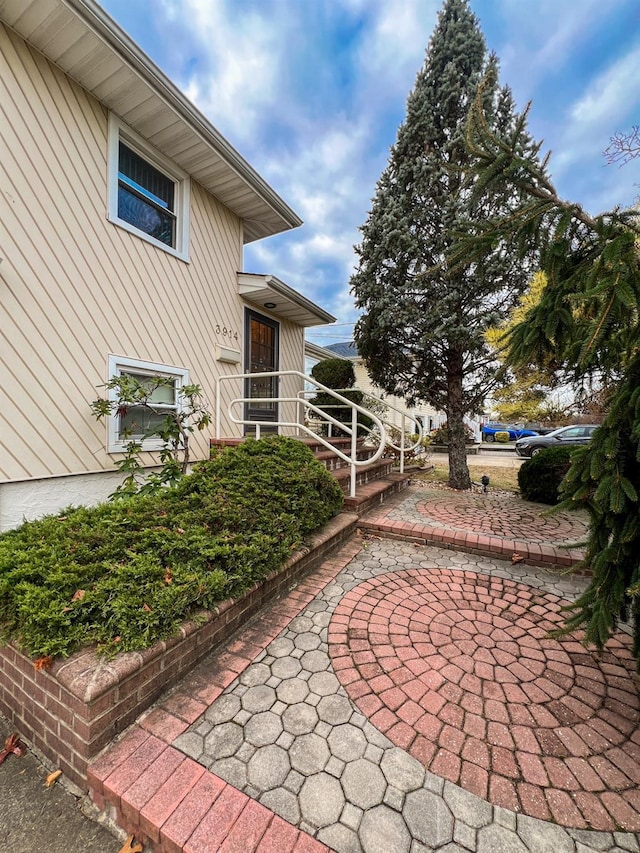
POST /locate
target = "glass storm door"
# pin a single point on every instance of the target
(261, 356)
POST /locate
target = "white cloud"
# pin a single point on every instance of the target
(606, 101)
(237, 61)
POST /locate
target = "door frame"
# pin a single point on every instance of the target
(260, 414)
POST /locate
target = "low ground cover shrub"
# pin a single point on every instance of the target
(539, 478)
(124, 575)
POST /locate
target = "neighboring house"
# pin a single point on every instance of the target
(427, 415)
(123, 215)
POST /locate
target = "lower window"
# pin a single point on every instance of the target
(139, 421)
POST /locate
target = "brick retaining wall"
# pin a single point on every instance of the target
(74, 709)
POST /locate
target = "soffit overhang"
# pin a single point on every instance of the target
(271, 296)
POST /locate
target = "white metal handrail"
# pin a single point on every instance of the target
(351, 459)
(404, 417)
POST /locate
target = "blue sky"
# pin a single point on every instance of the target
(311, 93)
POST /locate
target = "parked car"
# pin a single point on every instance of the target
(489, 431)
(568, 436)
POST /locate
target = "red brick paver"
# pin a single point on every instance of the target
(494, 703)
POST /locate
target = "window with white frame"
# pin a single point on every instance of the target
(137, 422)
(148, 195)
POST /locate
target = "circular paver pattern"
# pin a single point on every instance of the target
(502, 517)
(459, 669)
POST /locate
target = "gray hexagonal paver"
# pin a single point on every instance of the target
(263, 728)
(300, 624)
(308, 641)
(300, 719)
(268, 768)
(466, 806)
(223, 740)
(257, 673)
(323, 683)
(191, 743)
(232, 770)
(382, 829)
(315, 661)
(283, 803)
(543, 837)
(321, 620)
(428, 818)
(402, 770)
(259, 698)
(363, 784)
(321, 800)
(280, 647)
(223, 709)
(347, 742)
(335, 709)
(339, 837)
(292, 690)
(309, 754)
(286, 667)
(498, 839)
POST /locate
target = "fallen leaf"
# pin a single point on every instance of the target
(52, 778)
(131, 846)
(146, 608)
(43, 663)
(168, 578)
(179, 530)
(78, 595)
(12, 746)
(516, 558)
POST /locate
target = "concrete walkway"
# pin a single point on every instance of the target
(404, 698)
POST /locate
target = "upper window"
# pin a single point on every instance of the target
(148, 195)
(137, 422)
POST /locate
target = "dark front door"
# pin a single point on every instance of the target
(261, 356)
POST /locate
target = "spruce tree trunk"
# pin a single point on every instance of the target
(459, 477)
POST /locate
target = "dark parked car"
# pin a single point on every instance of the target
(489, 431)
(568, 436)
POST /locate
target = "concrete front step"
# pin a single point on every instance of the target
(375, 492)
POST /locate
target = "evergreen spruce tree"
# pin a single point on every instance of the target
(421, 332)
(588, 320)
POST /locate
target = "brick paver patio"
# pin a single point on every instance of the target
(459, 670)
(404, 698)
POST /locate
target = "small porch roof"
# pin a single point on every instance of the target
(268, 293)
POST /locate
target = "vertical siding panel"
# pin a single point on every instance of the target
(75, 287)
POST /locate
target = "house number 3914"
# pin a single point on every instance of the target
(225, 332)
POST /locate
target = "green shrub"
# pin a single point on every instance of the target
(501, 436)
(334, 373)
(339, 374)
(124, 575)
(539, 478)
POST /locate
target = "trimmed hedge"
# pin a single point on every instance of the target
(539, 478)
(123, 575)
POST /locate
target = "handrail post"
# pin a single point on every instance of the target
(402, 428)
(354, 449)
(218, 408)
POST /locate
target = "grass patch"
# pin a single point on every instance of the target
(126, 574)
(505, 479)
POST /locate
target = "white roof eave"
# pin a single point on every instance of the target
(81, 39)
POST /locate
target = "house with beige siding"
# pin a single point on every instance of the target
(123, 216)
